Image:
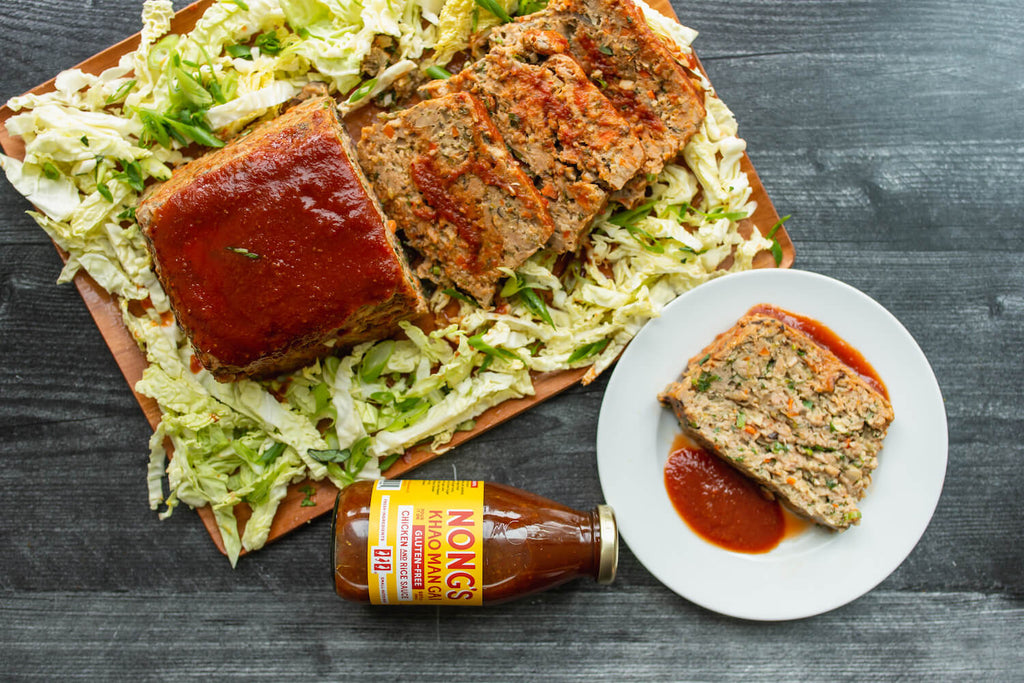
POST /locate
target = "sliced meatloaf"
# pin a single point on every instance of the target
(788, 413)
(444, 174)
(273, 249)
(633, 66)
(568, 137)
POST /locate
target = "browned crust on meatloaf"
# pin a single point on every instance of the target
(442, 171)
(787, 413)
(568, 137)
(636, 69)
(234, 271)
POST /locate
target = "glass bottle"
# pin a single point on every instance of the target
(431, 550)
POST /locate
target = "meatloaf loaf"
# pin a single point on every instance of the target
(273, 250)
(568, 137)
(634, 67)
(788, 413)
(442, 171)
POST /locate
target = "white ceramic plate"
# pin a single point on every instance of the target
(817, 570)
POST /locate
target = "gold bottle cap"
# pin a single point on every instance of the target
(609, 551)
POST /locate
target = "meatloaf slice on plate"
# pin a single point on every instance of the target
(788, 413)
(273, 249)
(442, 171)
(569, 138)
(633, 65)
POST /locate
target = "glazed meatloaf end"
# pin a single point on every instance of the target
(443, 173)
(636, 69)
(566, 134)
(788, 413)
(273, 249)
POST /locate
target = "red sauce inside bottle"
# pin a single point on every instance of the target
(530, 543)
(721, 505)
(825, 337)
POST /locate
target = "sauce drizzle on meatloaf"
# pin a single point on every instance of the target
(635, 68)
(272, 250)
(442, 171)
(788, 413)
(567, 135)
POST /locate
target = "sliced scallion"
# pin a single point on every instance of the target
(588, 350)
(495, 9)
(438, 72)
(362, 91)
(376, 359)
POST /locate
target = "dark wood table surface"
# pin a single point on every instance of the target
(893, 132)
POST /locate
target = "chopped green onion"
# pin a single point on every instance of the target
(535, 304)
(131, 174)
(438, 72)
(239, 51)
(387, 462)
(605, 50)
(776, 248)
(362, 91)
(162, 51)
(268, 43)
(627, 218)
(703, 383)
(588, 350)
(329, 454)
(244, 252)
(321, 398)
(84, 140)
(530, 6)
(376, 359)
(410, 415)
(105, 191)
(648, 241)
(121, 92)
(308, 500)
(456, 294)
(240, 4)
(495, 9)
(271, 454)
(478, 343)
(192, 88)
(713, 214)
(382, 397)
(359, 456)
(51, 171)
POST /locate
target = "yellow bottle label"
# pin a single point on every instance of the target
(425, 544)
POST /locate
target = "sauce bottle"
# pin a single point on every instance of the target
(462, 543)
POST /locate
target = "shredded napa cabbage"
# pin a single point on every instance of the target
(93, 143)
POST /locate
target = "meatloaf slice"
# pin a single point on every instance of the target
(633, 65)
(442, 171)
(568, 137)
(273, 250)
(787, 413)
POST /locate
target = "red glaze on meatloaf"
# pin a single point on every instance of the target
(273, 249)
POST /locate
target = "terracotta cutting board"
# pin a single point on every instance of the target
(291, 513)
